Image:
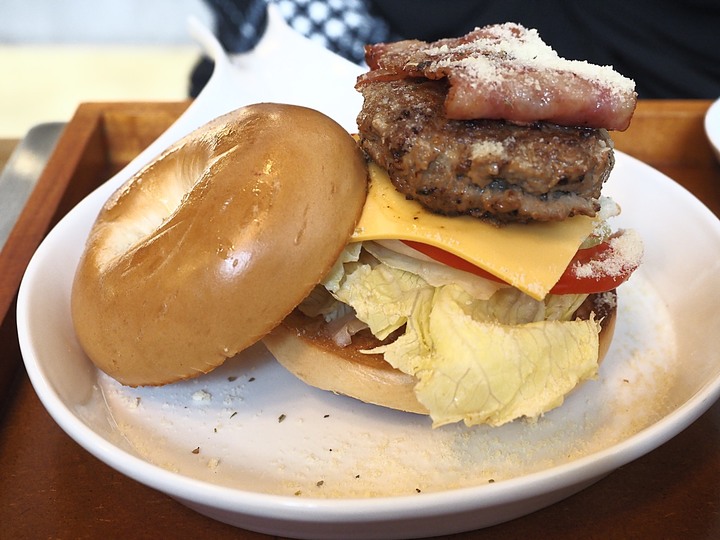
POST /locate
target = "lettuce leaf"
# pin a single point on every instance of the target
(350, 254)
(382, 296)
(435, 273)
(480, 361)
(483, 372)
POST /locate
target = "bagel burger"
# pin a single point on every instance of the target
(480, 282)
(471, 279)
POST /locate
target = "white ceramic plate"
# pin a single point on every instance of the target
(712, 127)
(252, 446)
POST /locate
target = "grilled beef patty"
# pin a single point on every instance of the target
(483, 168)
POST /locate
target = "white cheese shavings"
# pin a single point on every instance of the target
(513, 44)
(626, 252)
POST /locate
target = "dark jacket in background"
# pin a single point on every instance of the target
(670, 48)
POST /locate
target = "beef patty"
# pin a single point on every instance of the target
(483, 168)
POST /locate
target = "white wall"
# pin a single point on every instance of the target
(56, 54)
(98, 21)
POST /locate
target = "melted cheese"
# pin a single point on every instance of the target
(531, 257)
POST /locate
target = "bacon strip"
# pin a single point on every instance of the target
(506, 72)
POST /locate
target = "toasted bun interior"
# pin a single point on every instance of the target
(301, 347)
(211, 245)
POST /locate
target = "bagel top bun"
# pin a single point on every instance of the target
(210, 246)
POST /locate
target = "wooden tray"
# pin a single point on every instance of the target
(98, 141)
(50, 487)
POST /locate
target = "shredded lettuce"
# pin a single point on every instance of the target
(436, 274)
(350, 254)
(480, 361)
(321, 302)
(483, 372)
(382, 296)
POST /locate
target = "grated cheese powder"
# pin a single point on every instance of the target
(509, 46)
(626, 251)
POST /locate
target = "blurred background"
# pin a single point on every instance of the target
(55, 55)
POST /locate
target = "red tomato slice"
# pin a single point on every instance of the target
(445, 257)
(569, 282)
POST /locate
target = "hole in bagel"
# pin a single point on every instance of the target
(152, 197)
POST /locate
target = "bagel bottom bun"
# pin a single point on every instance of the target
(301, 346)
(211, 245)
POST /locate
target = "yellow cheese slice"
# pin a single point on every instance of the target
(531, 257)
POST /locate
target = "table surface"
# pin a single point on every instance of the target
(52, 488)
